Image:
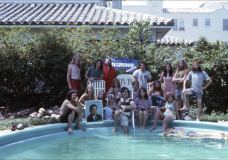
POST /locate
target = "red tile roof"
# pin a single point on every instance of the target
(71, 13)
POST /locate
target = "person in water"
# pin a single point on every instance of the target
(180, 131)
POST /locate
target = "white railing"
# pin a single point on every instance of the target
(98, 85)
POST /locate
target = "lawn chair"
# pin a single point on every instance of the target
(98, 85)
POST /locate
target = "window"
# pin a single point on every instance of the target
(195, 22)
(175, 27)
(207, 23)
(225, 24)
(181, 25)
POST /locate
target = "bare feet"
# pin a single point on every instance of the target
(114, 130)
(70, 131)
(197, 119)
(84, 129)
(153, 128)
(141, 128)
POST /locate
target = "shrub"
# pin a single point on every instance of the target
(29, 59)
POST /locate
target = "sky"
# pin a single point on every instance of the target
(168, 3)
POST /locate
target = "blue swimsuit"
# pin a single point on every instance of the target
(171, 107)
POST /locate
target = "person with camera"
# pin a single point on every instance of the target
(143, 107)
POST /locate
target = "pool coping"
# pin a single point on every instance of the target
(37, 131)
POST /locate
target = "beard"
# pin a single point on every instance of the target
(108, 64)
(157, 88)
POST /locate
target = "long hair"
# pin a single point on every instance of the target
(199, 69)
(185, 65)
(103, 99)
(68, 96)
(101, 67)
(73, 61)
(113, 83)
(87, 91)
(170, 71)
(153, 89)
(110, 61)
(145, 96)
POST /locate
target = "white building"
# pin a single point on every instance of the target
(209, 20)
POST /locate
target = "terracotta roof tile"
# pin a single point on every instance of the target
(68, 13)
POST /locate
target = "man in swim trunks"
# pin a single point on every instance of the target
(74, 74)
(71, 110)
(180, 131)
(125, 106)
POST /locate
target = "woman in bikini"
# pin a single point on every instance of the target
(180, 131)
(168, 115)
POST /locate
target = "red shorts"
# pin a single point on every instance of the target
(76, 84)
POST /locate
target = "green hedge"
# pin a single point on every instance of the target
(27, 59)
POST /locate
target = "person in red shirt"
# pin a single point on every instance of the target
(109, 74)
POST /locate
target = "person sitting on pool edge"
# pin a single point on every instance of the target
(168, 115)
(125, 106)
(71, 110)
(180, 131)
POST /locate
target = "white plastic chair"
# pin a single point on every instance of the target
(98, 85)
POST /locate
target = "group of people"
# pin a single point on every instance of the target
(118, 102)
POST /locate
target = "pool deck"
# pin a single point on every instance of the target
(8, 137)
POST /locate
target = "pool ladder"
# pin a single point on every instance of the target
(133, 119)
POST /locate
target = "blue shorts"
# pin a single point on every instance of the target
(178, 94)
(198, 95)
(187, 134)
(166, 114)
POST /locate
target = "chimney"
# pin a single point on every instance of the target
(117, 4)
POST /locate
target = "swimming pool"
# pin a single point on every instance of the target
(101, 143)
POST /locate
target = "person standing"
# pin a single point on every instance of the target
(167, 78)
(74, 75)
(179, 77)
(109, 74)
(197, 76)
(142, 75)
(95, 72)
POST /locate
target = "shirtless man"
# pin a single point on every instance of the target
(71, 110)
(73, 74)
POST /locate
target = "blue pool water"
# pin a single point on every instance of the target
(101, 143)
